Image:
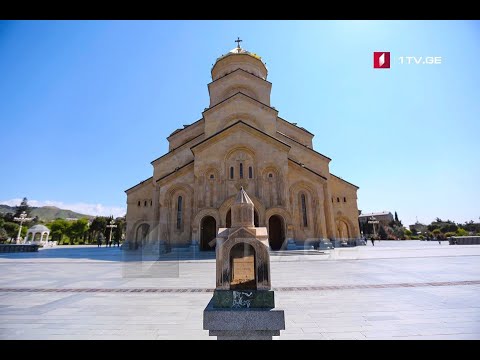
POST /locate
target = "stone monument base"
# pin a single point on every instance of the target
(243, 323)
(243, 299)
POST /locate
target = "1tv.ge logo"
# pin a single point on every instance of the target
(381, 60)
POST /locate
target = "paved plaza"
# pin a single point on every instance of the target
(394, 290)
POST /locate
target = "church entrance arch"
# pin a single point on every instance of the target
(228, 220)
(141, 235)
(208, 232)
(342, 230)
(276, 232)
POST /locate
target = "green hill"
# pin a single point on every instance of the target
(47, 213)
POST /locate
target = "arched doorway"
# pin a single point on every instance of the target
(141, 235)
(228, 220)
(342, 230)
(208, 232)
(276, 233)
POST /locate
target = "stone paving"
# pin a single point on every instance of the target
(394, 290)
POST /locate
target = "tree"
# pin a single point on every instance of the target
(77, 229)
(382, 233)
(461, 232)
(119, 230)
(59, 229)
(449, 227)
(3, 234)
(11, 228)
(8, 217)
(23, 207)
(396, 217)
(98, 224)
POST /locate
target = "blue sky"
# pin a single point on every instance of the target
(85, 106)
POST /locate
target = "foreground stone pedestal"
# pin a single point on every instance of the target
(242, 305)
(243, 323)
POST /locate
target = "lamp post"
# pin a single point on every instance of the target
(21, 219)
(373, 221)
(111, 226)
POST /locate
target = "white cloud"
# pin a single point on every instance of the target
(82, 208)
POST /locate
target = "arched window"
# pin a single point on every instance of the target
(270, 175)
(344, 199)
(145, 203)
(179, 212)
(250, 172)
(304, 210)
(231, 172)
(241, 171)
(151, 202)
(138, 203)
(338, 199)
(212, 176)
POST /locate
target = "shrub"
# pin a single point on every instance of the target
(449, 234)
(421, 237)
(461, 232)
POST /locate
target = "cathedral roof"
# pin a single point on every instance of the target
(240, 51)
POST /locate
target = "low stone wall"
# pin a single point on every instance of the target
(13, 248)
(464, 240)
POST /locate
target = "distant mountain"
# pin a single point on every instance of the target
(47, 213)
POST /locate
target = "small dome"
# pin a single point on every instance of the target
(38, 228)
(239, 58)
(240, 51)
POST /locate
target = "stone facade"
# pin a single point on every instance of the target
(240, 141)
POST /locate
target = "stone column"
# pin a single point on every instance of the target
(155, 232)
(329, 216)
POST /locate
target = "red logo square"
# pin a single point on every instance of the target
(381, 60)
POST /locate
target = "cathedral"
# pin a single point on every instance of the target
(241, 141)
